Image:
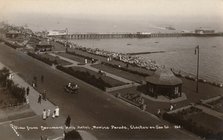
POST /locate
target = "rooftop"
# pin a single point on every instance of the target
(163, 76)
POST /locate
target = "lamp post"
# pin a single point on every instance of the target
(197, 53)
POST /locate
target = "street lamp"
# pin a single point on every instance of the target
(197, 53)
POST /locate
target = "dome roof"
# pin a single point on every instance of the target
(163, 77)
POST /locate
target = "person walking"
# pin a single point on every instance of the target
(44, 114)
(67, 122)
(27, 91)
(53, 115)
(48, 113)
(39, 99)
(57, 112)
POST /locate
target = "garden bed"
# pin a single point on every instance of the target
(48, 59)
(91, 77)
(10, 93)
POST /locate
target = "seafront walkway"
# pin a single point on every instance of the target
(88, 66)
(37, 121)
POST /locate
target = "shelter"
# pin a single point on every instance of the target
(165, 83)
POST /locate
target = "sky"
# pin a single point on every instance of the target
(22, 11)
(114, 7)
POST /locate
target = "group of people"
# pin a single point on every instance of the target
(47, 113)
(137, 60)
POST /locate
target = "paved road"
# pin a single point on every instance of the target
(92, 106)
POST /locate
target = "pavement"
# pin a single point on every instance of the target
(32, 127)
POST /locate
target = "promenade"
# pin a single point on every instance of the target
(36, 120)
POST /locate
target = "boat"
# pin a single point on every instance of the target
(129, 44)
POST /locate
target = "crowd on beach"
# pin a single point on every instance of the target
(135, 60)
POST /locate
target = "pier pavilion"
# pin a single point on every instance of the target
(164, 83)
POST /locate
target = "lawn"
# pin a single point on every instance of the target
(73, 57)
(121, 73)
(52, 58)
(111, 81)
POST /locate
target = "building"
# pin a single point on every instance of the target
(204, 31)
(163, 82)
(12, 34)
(43, 46)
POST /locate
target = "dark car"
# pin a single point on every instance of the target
(71, 88)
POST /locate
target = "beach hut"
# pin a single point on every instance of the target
(164, 82)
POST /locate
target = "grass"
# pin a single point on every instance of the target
(118, 72)
(111, 81)
(72, 57)
(52, 58)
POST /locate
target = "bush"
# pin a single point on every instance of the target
(87, 77)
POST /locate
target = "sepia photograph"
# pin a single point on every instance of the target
(111, 70)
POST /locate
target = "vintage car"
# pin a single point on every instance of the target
(71, 88)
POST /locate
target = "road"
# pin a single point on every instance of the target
(92, 106)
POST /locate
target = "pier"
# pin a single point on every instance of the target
(132, 35)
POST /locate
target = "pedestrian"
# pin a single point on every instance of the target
(67, 122)
(48, 113)
(27, 91)
(33, 84)
(158, 112)
(171, 107)
(44, 114)
(53, 115)
(40, 98)
(57, 111)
